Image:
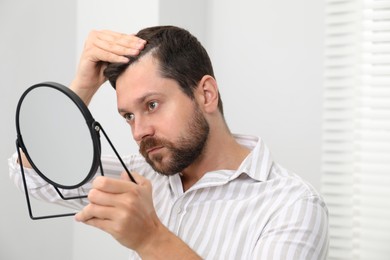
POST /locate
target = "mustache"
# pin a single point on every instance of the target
(149, 143)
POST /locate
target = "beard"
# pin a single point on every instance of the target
(182, 153)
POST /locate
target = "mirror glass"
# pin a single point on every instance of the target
(56, 138)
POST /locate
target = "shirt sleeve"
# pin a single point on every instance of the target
(298, 231)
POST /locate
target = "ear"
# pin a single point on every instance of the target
(207, 94)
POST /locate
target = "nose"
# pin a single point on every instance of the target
(141, 128)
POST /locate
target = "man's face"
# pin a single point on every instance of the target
(168, 126)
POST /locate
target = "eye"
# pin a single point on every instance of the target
(129, 117)
(152, 105)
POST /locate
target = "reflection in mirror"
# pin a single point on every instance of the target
(56, 138)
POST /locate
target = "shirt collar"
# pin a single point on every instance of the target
(256, 165)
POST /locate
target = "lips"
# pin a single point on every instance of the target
(151, 145)
(153, 149)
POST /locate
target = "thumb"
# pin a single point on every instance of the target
(125, 176)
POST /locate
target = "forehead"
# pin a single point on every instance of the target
(143, 70)
(142, 78)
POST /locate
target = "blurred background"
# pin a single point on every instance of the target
(271, 60)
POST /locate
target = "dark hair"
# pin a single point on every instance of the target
(180, 56)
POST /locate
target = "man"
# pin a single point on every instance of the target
(201, 191)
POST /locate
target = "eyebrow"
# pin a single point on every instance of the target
(141, 100)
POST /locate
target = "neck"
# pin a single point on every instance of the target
(221, 152)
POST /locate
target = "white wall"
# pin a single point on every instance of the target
(37, 44)
(268, 62)
(267, 57)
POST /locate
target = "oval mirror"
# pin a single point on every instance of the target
(55, 131)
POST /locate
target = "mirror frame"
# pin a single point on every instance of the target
(94, 128)
(91, 124)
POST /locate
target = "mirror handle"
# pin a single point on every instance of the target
(97, 127)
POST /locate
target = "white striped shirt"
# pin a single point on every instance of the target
(259, 211)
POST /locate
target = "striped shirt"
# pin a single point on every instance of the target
(259, 211)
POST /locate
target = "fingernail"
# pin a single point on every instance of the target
(141, 43)
(124, 59)
(77, 217)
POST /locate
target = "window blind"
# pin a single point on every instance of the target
(356, 128)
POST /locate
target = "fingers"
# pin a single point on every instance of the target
(102, 203)
(107, 194)
(99, 197)
(127, 41)
(121, 208)
(114, 186)
(100, 54)
(116, 47)
(125, 176)
(102, 224)
(137, 177)
(100, 48)
(92, 211)
(112, 46)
